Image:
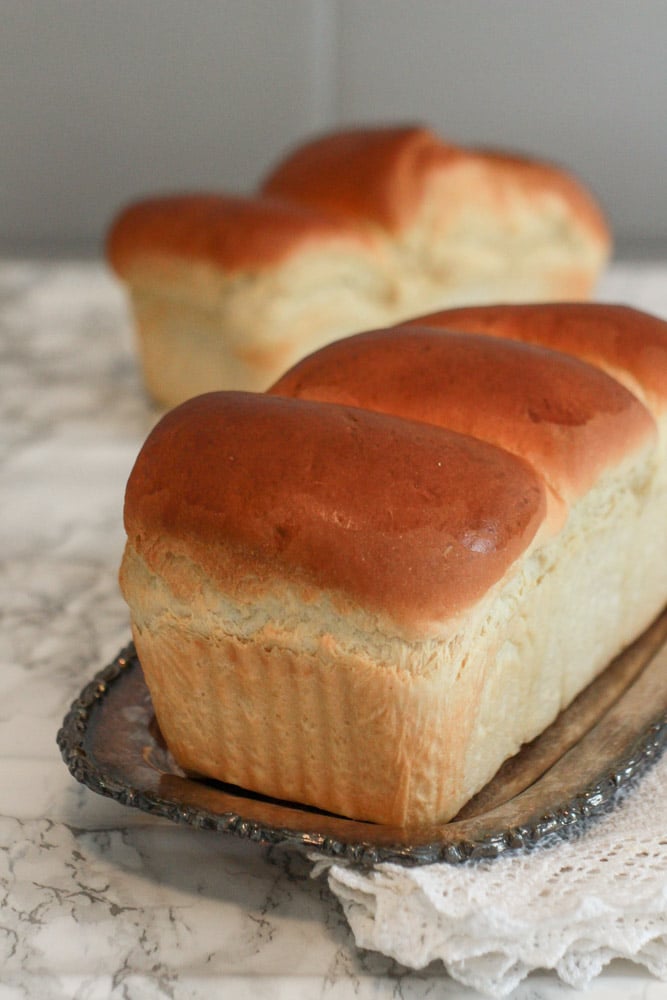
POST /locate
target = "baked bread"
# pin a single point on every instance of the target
(230, 291)
(356, 229)
(460, 225)
(365, 589)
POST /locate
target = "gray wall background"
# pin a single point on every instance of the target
(102, 101)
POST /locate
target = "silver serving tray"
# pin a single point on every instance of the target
(569, 775)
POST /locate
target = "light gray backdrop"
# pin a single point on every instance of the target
(102, 101)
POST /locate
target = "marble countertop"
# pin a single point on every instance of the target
(99, 900)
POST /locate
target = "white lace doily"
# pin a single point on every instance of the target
(571, 908)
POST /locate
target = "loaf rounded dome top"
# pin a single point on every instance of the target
(412, 522)
(567, 418)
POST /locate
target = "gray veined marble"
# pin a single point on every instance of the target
(98, 900)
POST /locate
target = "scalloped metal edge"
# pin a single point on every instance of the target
(564, 820)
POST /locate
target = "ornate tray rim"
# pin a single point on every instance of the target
(355, 842)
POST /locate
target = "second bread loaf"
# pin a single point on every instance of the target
(353, 230)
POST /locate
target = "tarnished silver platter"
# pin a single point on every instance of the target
(570, 774)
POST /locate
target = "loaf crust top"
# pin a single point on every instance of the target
(354, 187)
(411, 522)
(231, 233)
(567, 418)
(629, 344)
(381, 176)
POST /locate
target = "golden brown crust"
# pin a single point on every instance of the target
(568, 419)
(409, 521)
(391, 584)
(629, 344)
(374, 175)
(380, 176)
(231, 233)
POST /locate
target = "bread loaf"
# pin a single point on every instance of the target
(353, 230)
(365, 589)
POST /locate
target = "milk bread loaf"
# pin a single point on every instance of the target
(365, 589)
(229, 291)
(354, 230)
